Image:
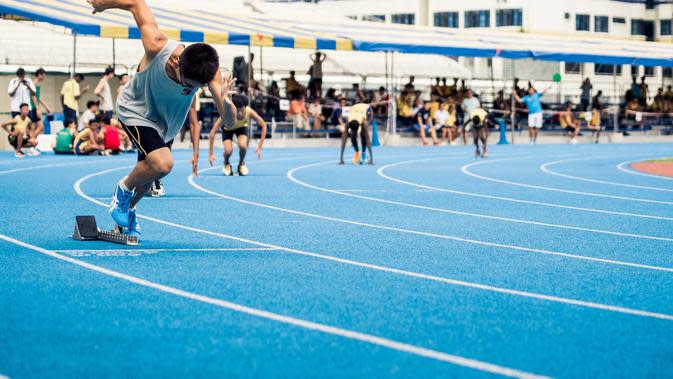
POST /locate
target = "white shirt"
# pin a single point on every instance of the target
(22, 94)
(441, 116)
(85, 119)
(107, 104)
(470, 104)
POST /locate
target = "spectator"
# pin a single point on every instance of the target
(568, 121)
(424, 123)
(70, 94)
(380, 106)
(18, 133)
(658, 104)
(501, 104)
(315, 71)
(339, 115)
(595, 123)
(597, 101)
(37, 105)
(21, 91)
(315, 112)
(644, 92)
(453, 88)
(405, 110)
(292, 87)
(359, 95)
(65, 139)
(409, 87)
(89, 115)
(435, 88)
(298, 114)
(470, 102)
(635, 90)
(668, 95)
(104, 93)
(273, 101)
(585, 98)
(90, 141)
(534, 105)
(445, 120)
(123, 82)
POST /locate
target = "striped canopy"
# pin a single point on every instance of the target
(220, 28)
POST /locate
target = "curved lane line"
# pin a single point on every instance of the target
(622, 167)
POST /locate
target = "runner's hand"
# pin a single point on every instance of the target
(228, 85)
(259, 152)
(212, 159)
(195, 165)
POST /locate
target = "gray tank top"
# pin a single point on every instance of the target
(152, 99)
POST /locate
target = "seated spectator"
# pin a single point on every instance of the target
(292, 87)
(380, 107)
(298, 113)
(124, 139)
(65, 138)
(405, 110)
(89, 114)
(359, 95)
(18, 135)
(315, 113)
(424, 124)
(409, 88)
(470, 102)
(445, 121)
(568, 121)
(501, 104)
(340, 118)
(91, 140)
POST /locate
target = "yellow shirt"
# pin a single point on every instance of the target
(21, 125)
(434, 107)
(479, 112)
(70, 91)
(595, 118)
(241, 123)
(358, 112)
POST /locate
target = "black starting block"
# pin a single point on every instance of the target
(86, 229)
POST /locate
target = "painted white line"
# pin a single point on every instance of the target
(323, 328)
(611, 308)
(291, 176)
(55, 165)
(466, 171)
(623, 167)
(470, 214)
(381, 172)
(545, 168)
(161, 250)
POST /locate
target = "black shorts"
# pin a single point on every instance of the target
(145, 139)
(354, 126)
(34, 116)
(69, 114)
(14, 141)
(229, 134)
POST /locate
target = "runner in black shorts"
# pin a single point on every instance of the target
(240, 130)
(478, 122)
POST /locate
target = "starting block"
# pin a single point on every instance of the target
(86, 229)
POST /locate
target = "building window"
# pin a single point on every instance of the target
(403, 18)
(665, 27)
(446, 19)
(619, 20)
(667, 72)
(606, 69)
(638, 27)
(573, 68)
(477, 19)
(582, 22)
(509, 17)
(375, 18)
(601, 24)
(649, 71)
(635, 71)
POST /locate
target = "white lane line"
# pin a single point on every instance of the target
(470, 214)
(291, 176)
(323, 328)
(611, 308)
(545, 168)
(54, 165)
(381, 172)
(466, 171)
(623, 167)
(161, 250)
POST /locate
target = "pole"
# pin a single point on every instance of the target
(393, 97)
(261, 64)
(114, 53)
(74, 53)
(513, 106)
(615, 101)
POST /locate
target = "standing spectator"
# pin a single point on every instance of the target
(70, 94)
(273, 100)
(338, 116)
(359, 94)
(635, 90)
(21, 90)
(597, 101)
(298, 113)
(37, 105)
(315, 111)
(644, 92)
(534, 105)
(585, 98)
(315, 71)
(123, 82)
(501, 104)
(104, 93)
(89, 115)
(409, 87)
(18, 133)
(292, 87)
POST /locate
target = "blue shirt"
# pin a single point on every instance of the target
(533, 103)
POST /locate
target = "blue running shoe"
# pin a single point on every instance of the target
(364, 158)
(134, 227)
(119, 208)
